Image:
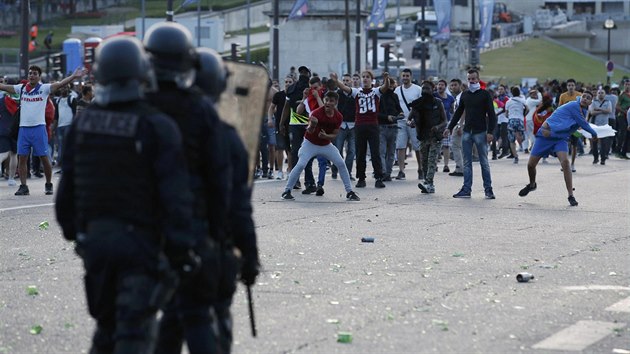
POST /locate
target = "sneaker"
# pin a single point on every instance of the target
(270, 175)
(280, 175)
(494, 157)
(320, 191)
(446, 169)
(430, 188)
(456, 174)
(387, 178)
(23, 190)
(544, 161)
(490, 194)
(297, 185)
(516, 160)
(595, 161)
(572, 201)
(603, 162)
(309, 190)
(423, 188)
(426, 187)
(361, 183)
(352, 196)
(462, 194)
(38, 174)
(352, 179)
(503, 154)
(572, 168)
(48, 189)
(401, 176)
(379, 183)
(528, 188)
(333, 175)
(12, 183)
(287, 195)
(265, 175)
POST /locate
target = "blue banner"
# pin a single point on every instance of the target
(443, 14)
(299, 9)
(377, 17)
(486, 8)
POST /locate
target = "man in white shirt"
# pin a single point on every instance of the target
(534, 98)
(33, 133)
(66, 107)
(407, 93)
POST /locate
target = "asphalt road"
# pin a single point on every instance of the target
(439, 278)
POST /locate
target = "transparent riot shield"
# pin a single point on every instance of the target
(243, 105)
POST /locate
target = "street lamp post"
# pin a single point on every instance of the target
(609, 25)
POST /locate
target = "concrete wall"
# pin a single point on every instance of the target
(236, 19)
(593, 38)
(318, 43)
(318, 39)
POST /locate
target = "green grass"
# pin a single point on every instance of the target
(544, 60)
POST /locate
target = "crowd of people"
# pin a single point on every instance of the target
(436, 121)
(156, 237)
(155, 228)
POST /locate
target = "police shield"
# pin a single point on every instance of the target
(243, 105)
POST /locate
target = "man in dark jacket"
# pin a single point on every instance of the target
(478, 129)
(429, 117)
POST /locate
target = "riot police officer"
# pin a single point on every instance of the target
(240, 231)
(191, 315)
(123, 203)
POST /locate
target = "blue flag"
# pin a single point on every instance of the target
(443, 14)
(299, 9)
(486, 8)
(189, 2)
(377, 17)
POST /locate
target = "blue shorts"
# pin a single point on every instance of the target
(543, 147)
(33, 137)
(271, 133)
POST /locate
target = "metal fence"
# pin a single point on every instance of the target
(504, 42)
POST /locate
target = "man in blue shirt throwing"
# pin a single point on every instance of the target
(552, 137)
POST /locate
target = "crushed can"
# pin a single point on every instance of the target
(524, 277)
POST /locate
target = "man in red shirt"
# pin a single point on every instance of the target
(323, 126)
(366, 127)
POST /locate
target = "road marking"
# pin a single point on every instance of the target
(27, 206)
(595, 287)
(579, 336)
(621, 306)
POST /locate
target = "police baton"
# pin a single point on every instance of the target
(252, 321)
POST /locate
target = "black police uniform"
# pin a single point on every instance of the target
(190, 315)
(240, 233)
(121, 200)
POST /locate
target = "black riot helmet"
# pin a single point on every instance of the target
(172, 53)
(122, 71)
(212, 73)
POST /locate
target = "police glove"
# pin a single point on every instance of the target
(249, 271)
